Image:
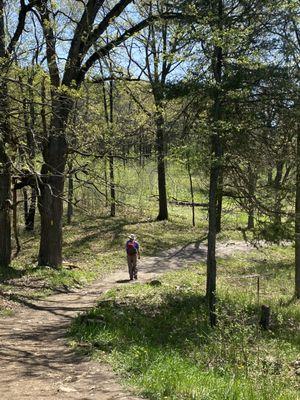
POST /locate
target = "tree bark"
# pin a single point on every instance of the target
(252, 186)
(25, 203)
(277, 188)
(211, 282)
(215, 170)
(112, 187)
(161, 168)
(29, 124)
(5, 208)
(111, 157)
(192, 192)
(220, 199)
(297, 219)
(15, 220)
(51, 190)
(70, 195)
(5, 164)
(29, 221)
(105, 180)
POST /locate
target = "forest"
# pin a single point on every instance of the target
(175, 125)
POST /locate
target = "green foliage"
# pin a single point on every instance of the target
(274, 231)
(160, 340)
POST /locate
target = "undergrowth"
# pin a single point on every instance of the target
(159, 339)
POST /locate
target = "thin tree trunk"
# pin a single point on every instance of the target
(277, 188)
(5, 209)
(211, 282)
(109, 116)
(105, 180)
(220, 200)
(25, 203)
(252, 187)
(215, 169)
(5, 164)
(70, 198)
(192, 192)
(161, 167)
(297, 219)
(250, 223)
(29, 128)
(112, 187)
(29, 221)
(270, 178)
(15, 221)
(111, 157)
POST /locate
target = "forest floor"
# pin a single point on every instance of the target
(36, 360)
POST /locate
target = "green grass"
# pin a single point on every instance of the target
(93, 247)
(159, 338)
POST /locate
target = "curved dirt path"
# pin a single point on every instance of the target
(35, 361)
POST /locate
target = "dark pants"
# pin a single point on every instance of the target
(132, 262)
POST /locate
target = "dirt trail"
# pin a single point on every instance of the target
(35, 361)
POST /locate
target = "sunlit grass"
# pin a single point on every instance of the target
(159, 338)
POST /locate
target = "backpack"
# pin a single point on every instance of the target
(131, 249)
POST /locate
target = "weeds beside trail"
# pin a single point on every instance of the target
(158, 337)
(93, 247)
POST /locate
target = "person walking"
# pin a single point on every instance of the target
(133, 254)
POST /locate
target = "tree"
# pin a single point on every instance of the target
(81, 58)
(161, 50)
(6, 55)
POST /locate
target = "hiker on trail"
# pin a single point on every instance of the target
(133, 253)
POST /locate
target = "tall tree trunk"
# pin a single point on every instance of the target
(111, 157)
(29, 221)
(112, 187)
(211, 283)
(29, 124)
(277, 188)
(5, 207)
(5, 164)
(25, 203)
(192, 192)
(15, 219)
(161, 167)
(252, 186)
(51, 190)
(297, 219)
(220, 199)
(105, 180)
(109, 117)
(215, 169)
(44, 134)
(70, 194)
